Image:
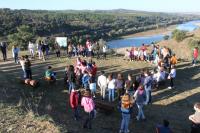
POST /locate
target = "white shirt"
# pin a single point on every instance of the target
(135, 53)
(102, 81)
(31, 46)
(111, 84)
(104, 49)
(173, 73)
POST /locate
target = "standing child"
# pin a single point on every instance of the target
(126, 108)
(89, 108)
(111, 87)
(195, 56)
(74, 100)
(172, 76)
(92, 84)
(71, 78)
(140, 98)
(85, 80)
(22, 63)
(27, 67)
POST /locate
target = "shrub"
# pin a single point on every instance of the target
(179, 35)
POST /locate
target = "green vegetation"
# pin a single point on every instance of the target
(179, 35)
(78, 25)
(166, 37)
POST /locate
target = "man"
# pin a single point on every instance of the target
(104, 52)
(102, 83)
(3, 50)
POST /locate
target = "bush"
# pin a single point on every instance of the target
(179, 35)
(166, 37)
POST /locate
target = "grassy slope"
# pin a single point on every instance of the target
(52, 101)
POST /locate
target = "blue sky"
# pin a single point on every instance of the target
(147, 5)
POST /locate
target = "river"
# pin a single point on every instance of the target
(138, 41)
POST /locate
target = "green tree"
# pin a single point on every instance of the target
(22, 37)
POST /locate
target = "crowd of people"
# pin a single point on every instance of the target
(132, 90)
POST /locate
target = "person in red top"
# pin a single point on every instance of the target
(74, 102)
(195, 56)
(143, 48)
(94, 69)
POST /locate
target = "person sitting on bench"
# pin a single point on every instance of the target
(50, 75)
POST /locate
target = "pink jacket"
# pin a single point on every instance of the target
(88, 104)
(196, 53)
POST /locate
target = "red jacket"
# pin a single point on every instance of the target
(94, 70)
(74, 99)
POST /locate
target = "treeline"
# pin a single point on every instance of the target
(79, 25)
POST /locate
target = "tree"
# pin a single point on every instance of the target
(22, 37)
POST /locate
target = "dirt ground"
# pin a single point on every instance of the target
(51, 106)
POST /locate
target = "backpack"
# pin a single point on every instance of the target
(126, 104)
(88, 106)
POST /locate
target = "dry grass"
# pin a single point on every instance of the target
(50, 103)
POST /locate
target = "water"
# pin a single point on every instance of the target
(138, 41)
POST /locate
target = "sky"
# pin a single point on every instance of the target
(142, 5)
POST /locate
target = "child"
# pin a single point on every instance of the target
(27, 67)
(92, 84)
(195, 56)
(111, 88)
(22, 63)
(71, 78)
(85, 80)
(102, 83)
(172, 76)
(89, 108)
(140, 98)
(74, 100)
(49, 74)
(195, 118)
(126, 107)
(120, 85)
(163, 128)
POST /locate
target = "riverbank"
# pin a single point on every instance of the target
(162, 31)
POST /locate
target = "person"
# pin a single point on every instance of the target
(57, 49)
(126, 108)
(163, 128)
(22, 63)
(92, 84)
(173, 60)
(148, 86)
(111, 87)
(85, 80)
(89, 108)
(129, 84)
(172, 76)
(140, 98)
(120, 85)
(49, 74)
(31, 48)
(102, 83)
(39, 49)
(15, 52)
(104, 51)
(27, 65)
(4, 50)
(46, 49)
(195, 119)
(195, 56)
(43, 51)
(71, 78)
(74, 101)
(97, 50)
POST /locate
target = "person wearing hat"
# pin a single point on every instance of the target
(89, 108)
(195, 118)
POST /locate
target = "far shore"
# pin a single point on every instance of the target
(163, 31)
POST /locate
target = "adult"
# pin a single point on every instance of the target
(31, 48)
(3, 47)
(15, 52)
(97, 50)
(195, 56)
(57, 49)
(102, 83)
(148, 86)
(71, 78)
(104, 51)
(43, 51)
(39, 49)
(172, 76)
(195, 118)
(46, 48)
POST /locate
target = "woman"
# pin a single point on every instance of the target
(129, 84)
(89, 108)
(120, 85)
(126, 108)
(111, 87)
